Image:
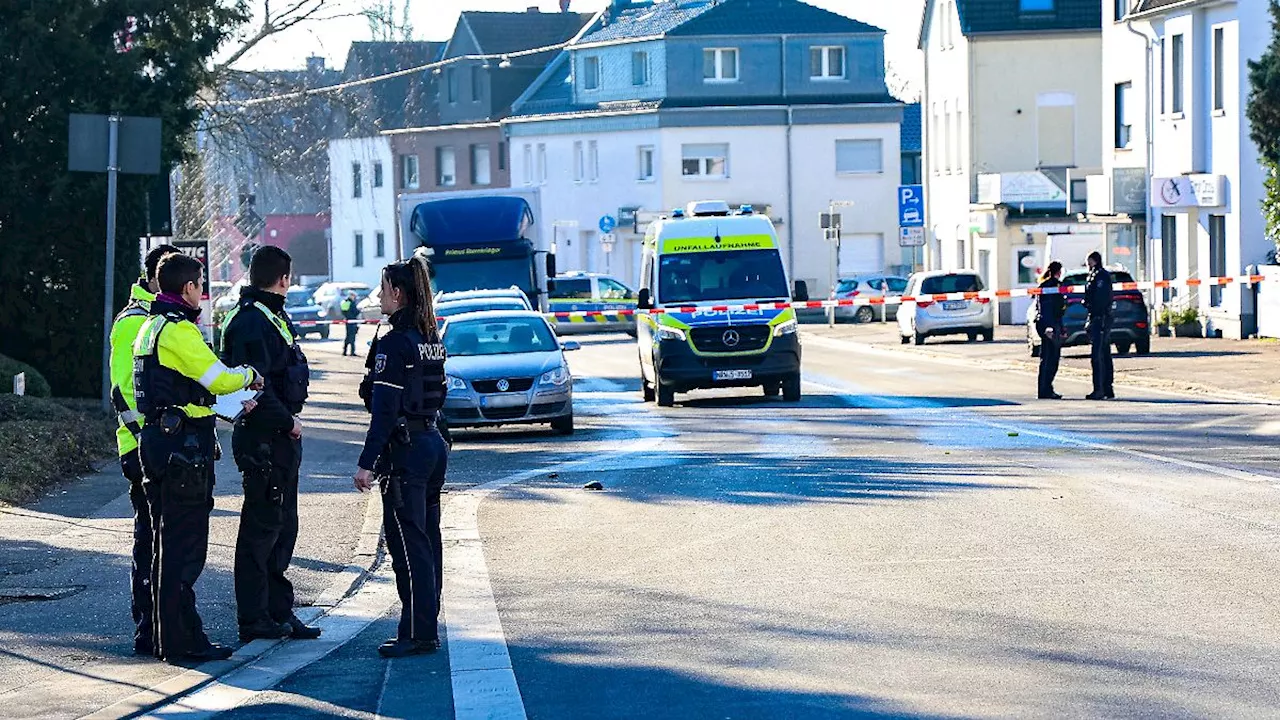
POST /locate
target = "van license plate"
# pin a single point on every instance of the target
(732, 375)
(955, 304)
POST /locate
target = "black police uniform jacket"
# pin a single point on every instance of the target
(251, 338)
(405, 379)
(1050, 307)
(1098, 299)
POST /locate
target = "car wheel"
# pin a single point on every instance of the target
(920, 337)
(973, 337)
(1144, 346)
(864, 314)
(324, 332)
(1122, 348)
(563, 425)
(771, 389)
(791, 388)
(666, 395)
(988, 335)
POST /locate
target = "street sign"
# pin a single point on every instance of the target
(911, 206)
(198, 249)
(829, 221)
(607, 240)
(608, 223)
(911, 237)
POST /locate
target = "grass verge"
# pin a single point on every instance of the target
(44, 442)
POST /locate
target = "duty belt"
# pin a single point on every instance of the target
(419, 424)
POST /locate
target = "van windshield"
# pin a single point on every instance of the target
(723, 275)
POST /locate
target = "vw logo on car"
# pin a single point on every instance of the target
(503, 385)
(731, 338)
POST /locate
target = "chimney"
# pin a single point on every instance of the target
(315, 64)
(533, 10)
(564, 6)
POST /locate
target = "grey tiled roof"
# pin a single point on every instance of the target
(648, 19)
(987, 16)
(503, 32)
(912, 130)
(770, 17)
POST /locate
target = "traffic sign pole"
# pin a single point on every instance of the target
(113, 169)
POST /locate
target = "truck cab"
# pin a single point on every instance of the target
(698, 263)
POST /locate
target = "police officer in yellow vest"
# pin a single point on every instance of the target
(124, 331)
(267, 445)
(176, 377)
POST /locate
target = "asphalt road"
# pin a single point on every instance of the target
(913, 539)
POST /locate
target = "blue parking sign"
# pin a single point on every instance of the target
(911, 205)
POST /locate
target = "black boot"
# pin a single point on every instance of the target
(406, 648)
(299, 630)
(264, 630)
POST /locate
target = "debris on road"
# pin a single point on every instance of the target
(593, 485)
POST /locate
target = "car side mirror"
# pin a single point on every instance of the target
(551, 286)
(645, 300)
(551, 265)
(801, 293)
(570, 345)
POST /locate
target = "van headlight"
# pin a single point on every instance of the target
(786, 328)
(556, 377)
(666, 332)
(455, 383)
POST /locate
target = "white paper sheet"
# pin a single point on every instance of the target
(229, 407)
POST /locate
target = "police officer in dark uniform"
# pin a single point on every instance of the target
(176, 377)
(1099, 302)
(404, 390)
(1050, 307)
(267, 446)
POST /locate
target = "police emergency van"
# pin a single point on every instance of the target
(695, 260)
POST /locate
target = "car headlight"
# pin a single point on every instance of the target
(556, 377)
(455, 383)
(786, 328)
(671, 333)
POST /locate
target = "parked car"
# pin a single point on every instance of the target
(230, 296)
(301, 306)
(507, 367)
(869, 286)
(919, 320)
(511, 292)
(371, 307)
(1132, 321)
(470, 305)
(593, 292)
(328, 295)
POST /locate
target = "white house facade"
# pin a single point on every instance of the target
(363, 200)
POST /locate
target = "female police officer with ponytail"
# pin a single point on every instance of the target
(403, 390)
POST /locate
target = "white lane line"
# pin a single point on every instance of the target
(483, 679)
(889, 403)
(348, 619)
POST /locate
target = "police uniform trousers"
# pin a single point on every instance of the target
(350, 341)
(179, 500)
(140, 572)
(268, 527)
(1050, 358)
(413, 531)
(1100, 355)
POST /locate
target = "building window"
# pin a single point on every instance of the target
(591, 73)
(1122, 9)
(480, 165)
(446, 167)
(859, 156)
(958, 148)
(409, 172)
(826, 63)
(357, 182)
(502, 156)
(593, 161)
(1177, 73)
(644, 169)
(720, 65)
(380, 244)
(1033, 6)
(1219, 93)
(705, 160)
(528, 164)
(639, 68)
(359, 250)
(475, 83)
(935, 140)
(377, 174)
(451, 84)
(1217, 255)
(1124, 129)
(542, 164)
(579, 162)
(1169, 252)
(946, 141)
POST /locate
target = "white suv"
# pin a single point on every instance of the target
(919, 320)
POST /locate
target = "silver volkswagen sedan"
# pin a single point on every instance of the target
(507, 367)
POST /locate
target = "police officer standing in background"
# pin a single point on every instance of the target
(1049, 310)
(267, 446)
(404, 391)
(1099, 302)
(176, 377)
(124, 331)
(350, 309)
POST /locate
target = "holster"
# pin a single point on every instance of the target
(260, 472)
(186, 479)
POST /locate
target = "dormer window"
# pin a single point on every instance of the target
(826, 63)
(591, 73)
(1036, 6)
(720, 65)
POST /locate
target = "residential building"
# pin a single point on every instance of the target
(1012, 90)
(772, 103)
(363, 191)
(395, 103)
(1206, 184)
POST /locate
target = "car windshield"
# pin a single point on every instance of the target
(940, 284)
(499, 336)
(457, 308)
(297, 298)
(723, 275)
(845, 286)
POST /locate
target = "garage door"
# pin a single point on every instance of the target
(861, 254)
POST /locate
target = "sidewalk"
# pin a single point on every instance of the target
(1234, 369)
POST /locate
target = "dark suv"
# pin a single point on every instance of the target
(1131, 328)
